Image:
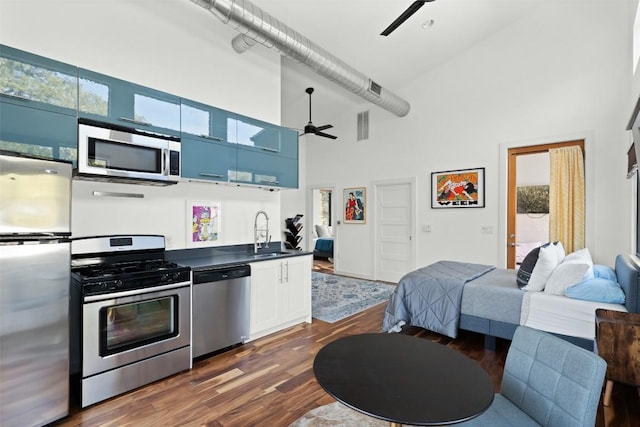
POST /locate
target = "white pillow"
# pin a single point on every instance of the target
(582, 256)
(560, 254)
(547, 262)
(322, 230)
(564, 276)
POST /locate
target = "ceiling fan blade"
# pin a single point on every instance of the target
(326, 135)
(325, 127)
(404, 16)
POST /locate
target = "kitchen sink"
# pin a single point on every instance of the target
(269, 254)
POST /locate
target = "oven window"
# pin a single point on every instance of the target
(127, 326)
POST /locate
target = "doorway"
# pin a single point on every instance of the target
(520, 236)
(320, 224)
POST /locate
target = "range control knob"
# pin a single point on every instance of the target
(119, 284)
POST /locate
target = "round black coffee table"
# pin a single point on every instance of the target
(403, 379)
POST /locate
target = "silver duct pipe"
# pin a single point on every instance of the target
(258, 26)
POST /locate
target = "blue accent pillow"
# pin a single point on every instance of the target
(597, 289)
(605, 272)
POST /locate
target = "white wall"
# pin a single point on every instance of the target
(563, 71)
(174, 46)
(163, 210)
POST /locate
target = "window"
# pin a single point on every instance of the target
(325, 207)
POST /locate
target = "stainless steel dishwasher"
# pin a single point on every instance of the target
(220, 308)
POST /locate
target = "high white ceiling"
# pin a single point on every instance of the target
(350, 30)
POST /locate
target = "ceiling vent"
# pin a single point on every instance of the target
(254, 24)
(374, 87)
(363, 125)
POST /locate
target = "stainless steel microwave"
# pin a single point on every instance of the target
(127, 155)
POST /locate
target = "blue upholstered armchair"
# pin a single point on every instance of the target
(547, 381)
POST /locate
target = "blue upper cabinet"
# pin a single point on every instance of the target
(116, 101)
(265, 169)
(38, 82)
(42, 99)
(208, 160)
(38, 105)
(219, 145)
(289, 142)
(255, 134)
(205, 121)
(264, 137)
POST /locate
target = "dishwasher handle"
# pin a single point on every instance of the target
(221, 273)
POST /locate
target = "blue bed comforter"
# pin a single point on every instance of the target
(430, 297)
(324, 247)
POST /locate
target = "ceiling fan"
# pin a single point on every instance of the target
(310, 128)
(404, 16)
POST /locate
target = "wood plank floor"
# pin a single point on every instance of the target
(270, 382)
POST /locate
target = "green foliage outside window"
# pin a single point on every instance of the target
(38, 84)
(533, 199)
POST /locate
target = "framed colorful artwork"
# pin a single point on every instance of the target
(203, 223)
(355, 205)
(462, 188)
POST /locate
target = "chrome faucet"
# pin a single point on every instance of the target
(258, 232)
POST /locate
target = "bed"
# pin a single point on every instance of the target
(487, 300)
(322, 241)
(323, 247)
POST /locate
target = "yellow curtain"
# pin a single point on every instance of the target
(566, 197)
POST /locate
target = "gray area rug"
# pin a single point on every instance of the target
(334, 297)
(336, 414)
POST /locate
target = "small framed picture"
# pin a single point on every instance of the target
(462, 188)
(355, 205)
(203, 223)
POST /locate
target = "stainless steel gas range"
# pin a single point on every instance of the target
(131, 313)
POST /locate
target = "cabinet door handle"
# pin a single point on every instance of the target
(271, 150)
(134, 121)
(215, 138)
(280, 272)
(211, 175)
(286, 264)
(267, 181)
(19, 98)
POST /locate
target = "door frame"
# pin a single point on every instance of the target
(373, 214)
(513, 154)
(309, 221)
(503, 186)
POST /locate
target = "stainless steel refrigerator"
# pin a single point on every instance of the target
(35, 211)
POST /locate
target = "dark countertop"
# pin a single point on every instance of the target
(224, 256)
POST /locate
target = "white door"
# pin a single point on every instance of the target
(395, 246)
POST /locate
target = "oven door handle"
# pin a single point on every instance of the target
(101, 297)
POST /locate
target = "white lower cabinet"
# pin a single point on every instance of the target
(280, 294)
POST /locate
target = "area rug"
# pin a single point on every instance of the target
(337, 415)
(334, 297)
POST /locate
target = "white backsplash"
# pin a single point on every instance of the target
(163, 210)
